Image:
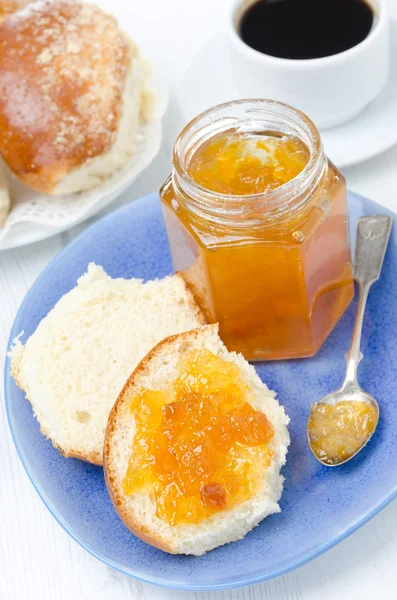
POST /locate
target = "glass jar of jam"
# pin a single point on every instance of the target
(256, 217)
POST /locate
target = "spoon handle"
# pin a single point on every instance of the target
(372, 238)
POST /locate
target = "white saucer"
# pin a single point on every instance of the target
(209, 81)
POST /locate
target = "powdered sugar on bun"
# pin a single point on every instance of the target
(7, 7)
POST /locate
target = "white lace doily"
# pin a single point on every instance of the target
(35, 216)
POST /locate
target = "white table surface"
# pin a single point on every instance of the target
(37, 558)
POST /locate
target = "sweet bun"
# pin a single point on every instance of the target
(138, 510)
(71, 91)
(77, 361)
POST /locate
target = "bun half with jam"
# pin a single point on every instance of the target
(72, 95)
(194, 446)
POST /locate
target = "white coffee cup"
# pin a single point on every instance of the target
(330, 90)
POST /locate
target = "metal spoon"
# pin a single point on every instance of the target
(372, 238)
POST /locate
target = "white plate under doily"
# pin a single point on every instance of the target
(209, 81)
(36, 216)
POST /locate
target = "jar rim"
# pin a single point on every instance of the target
(272, 199)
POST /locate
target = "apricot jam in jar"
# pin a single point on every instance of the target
(257, 223)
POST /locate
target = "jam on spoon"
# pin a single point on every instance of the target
(344, 421)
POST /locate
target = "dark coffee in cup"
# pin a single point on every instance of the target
(305, 29)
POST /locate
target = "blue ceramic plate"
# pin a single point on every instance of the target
(320, 506)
